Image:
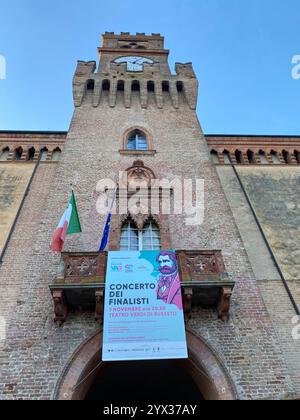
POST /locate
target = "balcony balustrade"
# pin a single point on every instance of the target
(80, 283)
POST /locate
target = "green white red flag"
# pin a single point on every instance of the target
(68, 225)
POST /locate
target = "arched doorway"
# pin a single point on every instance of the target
(203, 373)
(144, 381)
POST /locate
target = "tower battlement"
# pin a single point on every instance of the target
(134, 66)
(139, 41)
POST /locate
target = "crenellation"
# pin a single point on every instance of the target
(157, 71)
(185, 70)
(82, 74)
(189, 88)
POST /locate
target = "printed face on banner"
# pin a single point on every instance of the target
(169, 286)
(143, 317)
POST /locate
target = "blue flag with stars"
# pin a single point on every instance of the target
(107, 227)
(105, 234)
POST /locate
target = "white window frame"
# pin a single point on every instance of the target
(141, 234)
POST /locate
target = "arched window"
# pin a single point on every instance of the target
(263, 157)
(151, 237)
(239, 156)
(275, 157)
(214, 156)
(129, 237)
(147, 239)
(56, 154)
(44, 154)
(31, 153)
(286, 156)
(137, 141)
(251, 157)
(4, 154)
(18, 153)
(226, 155)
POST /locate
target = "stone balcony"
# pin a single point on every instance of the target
(80, 283)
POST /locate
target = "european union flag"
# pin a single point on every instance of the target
(107, 227)
(105, 234)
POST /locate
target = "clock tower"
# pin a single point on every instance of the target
(133, 114)
(131, 63)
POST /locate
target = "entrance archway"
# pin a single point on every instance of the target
(202, 372)
(144, 381)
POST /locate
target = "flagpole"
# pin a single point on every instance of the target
(113, 200)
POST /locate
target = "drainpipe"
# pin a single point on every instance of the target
(285, 284)
(12, 229)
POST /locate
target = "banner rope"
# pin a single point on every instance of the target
(87, 376)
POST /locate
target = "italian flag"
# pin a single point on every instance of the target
(68, 225)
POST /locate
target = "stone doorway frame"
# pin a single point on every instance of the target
(203, 365)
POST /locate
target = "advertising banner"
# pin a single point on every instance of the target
(143, 315)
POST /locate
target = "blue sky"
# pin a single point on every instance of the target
(241, 50)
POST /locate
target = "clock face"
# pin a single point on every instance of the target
(134, 64)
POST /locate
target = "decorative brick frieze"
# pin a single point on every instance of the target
(255, 150)
(30, 145)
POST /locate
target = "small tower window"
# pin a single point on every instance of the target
(135, 87)
(137, 141)
(179, 87)
(106, 85)
(90, 85)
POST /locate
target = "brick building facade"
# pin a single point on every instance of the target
(239, 267)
